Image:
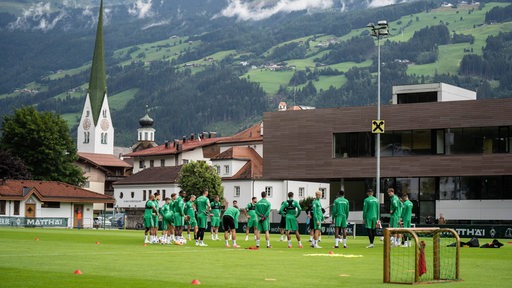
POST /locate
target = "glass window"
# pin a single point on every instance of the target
(16, 208)
(449, 188)
(301, 192)
(3, 205)
(409, 186)
(162, 162)
(439, 143)
(144, 195)
(141, 164)
(237, 191)
(324, 192)
(151, 163)
(121, 195)
(396, 143)
(226, 169)
(50, 205)
(427, 189)
(133, 194)
(466, 141)
(356, 144)
(421, 142)
(268, 190)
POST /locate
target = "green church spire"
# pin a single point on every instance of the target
(97, 81)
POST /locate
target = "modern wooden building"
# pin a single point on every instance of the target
(452, 157)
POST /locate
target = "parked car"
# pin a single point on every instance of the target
(118, 220)
(101, 222)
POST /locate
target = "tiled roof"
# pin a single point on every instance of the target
(253, 169)
(103, 160)
(153, 175)
(252, 133)
(50, 191)
(170, 148)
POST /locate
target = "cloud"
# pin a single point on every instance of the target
(164, 22)
(37, 17)
(261, 9)
(141, 9)
(380, 3)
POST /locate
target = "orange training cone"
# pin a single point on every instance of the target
(78, 272)
(97, 242)
(37, 239)
(196, 282)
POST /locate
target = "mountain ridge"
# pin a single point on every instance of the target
(200, 61)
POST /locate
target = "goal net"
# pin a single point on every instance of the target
(421, 255)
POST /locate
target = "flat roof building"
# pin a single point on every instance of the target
(451, 157)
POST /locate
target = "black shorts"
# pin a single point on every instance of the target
(228, 223)
(311, 224)
(282, 223)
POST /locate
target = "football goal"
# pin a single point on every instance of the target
(421, 255)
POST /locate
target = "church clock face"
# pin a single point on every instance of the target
(104, 124)
(86, 124)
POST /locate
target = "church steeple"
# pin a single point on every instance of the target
(95, 134)
(97, 81)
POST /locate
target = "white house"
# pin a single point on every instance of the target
(241, 169)
(36, 203)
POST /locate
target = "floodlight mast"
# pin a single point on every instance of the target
(378, 31)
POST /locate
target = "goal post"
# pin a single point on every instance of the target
(421, 255)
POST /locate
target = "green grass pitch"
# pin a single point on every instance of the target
(115, 258)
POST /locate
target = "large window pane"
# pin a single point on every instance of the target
(427, 189)
(409, 186)
(357, 144)
(421, 142)
(466, 141)
(449, 188)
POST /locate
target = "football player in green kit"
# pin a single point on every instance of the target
(395, 211)
(166, 213)
(156, 215)
(262, 213)
(291, 210)
(406, 216)
(149, 210)
(318, 218)
(340, 210)
(371, 215)
(190, 211)
(252, 221)
(215, 217)
(171, 216)
(179, 214)
(203, 210)
(230, 224)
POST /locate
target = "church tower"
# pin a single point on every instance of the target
(95, 132)
(145, 133)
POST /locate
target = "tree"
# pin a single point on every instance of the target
(12, 167)
(42, 141)
(195, 176)
(306, 203)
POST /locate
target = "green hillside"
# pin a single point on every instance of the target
(223, 78)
